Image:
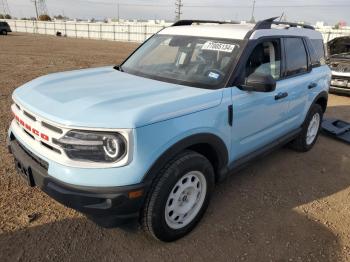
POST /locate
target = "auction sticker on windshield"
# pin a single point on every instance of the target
(216, 46)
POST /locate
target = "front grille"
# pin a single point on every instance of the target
(50, 147)
(29, 115)
(29, 134)
(51, 127)
(32, 122)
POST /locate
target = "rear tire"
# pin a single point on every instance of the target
(4, 32)
(310, 130)
(179, 197)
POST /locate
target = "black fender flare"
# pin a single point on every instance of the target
(324, 95)
(212, 140)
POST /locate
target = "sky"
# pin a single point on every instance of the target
(329, 11)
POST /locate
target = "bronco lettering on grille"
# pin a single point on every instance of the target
(30, 129)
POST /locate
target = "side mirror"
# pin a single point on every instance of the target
(259, 83)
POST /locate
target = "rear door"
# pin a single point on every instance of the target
(298, 77)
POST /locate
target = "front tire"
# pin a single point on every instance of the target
(179, 197)
(310, 130)
(4, 32)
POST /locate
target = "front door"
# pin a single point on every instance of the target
(260, 117)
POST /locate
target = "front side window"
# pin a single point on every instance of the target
(296, 57)
(194, 61)
(265, 59)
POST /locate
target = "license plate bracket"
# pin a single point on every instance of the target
(25, 173)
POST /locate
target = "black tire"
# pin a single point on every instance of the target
(153, 219)
(300, 143)
(4, 32)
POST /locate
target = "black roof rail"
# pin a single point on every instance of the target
(266, 24)
(190, 22)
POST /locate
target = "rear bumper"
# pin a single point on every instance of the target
(106, 206)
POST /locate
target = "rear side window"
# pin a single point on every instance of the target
(296, 57)
(317, 52)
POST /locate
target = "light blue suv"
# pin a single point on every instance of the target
(150, 138)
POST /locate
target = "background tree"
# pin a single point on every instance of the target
(44, 18)
(61, 17)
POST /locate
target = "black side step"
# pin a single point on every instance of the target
(337, 128)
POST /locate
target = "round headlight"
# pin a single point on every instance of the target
(111, 146)
(93, 146)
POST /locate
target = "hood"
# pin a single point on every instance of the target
(339, 46)
(106, 98)
(339, 54)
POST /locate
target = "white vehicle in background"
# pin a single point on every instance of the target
(339, 62)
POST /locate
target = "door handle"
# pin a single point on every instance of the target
(312, 85)
(281, 95)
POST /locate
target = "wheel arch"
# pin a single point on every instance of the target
(207, 144)
(322, 100)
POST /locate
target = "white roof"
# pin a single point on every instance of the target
(228, 31)
(238, 31)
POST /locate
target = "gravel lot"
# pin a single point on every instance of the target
(285, 207)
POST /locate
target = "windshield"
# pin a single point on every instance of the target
(194, 61)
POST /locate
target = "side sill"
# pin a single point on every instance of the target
(245, 160)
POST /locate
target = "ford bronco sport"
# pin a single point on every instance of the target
(148, 139)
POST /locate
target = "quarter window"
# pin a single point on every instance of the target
(296, 57)
(317, 52)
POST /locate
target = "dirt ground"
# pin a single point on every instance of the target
(285, 207)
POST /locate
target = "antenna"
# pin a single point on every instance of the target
(5, 7)
(178, 12)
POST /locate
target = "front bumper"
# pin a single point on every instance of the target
(340, 83)
(108, 207)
